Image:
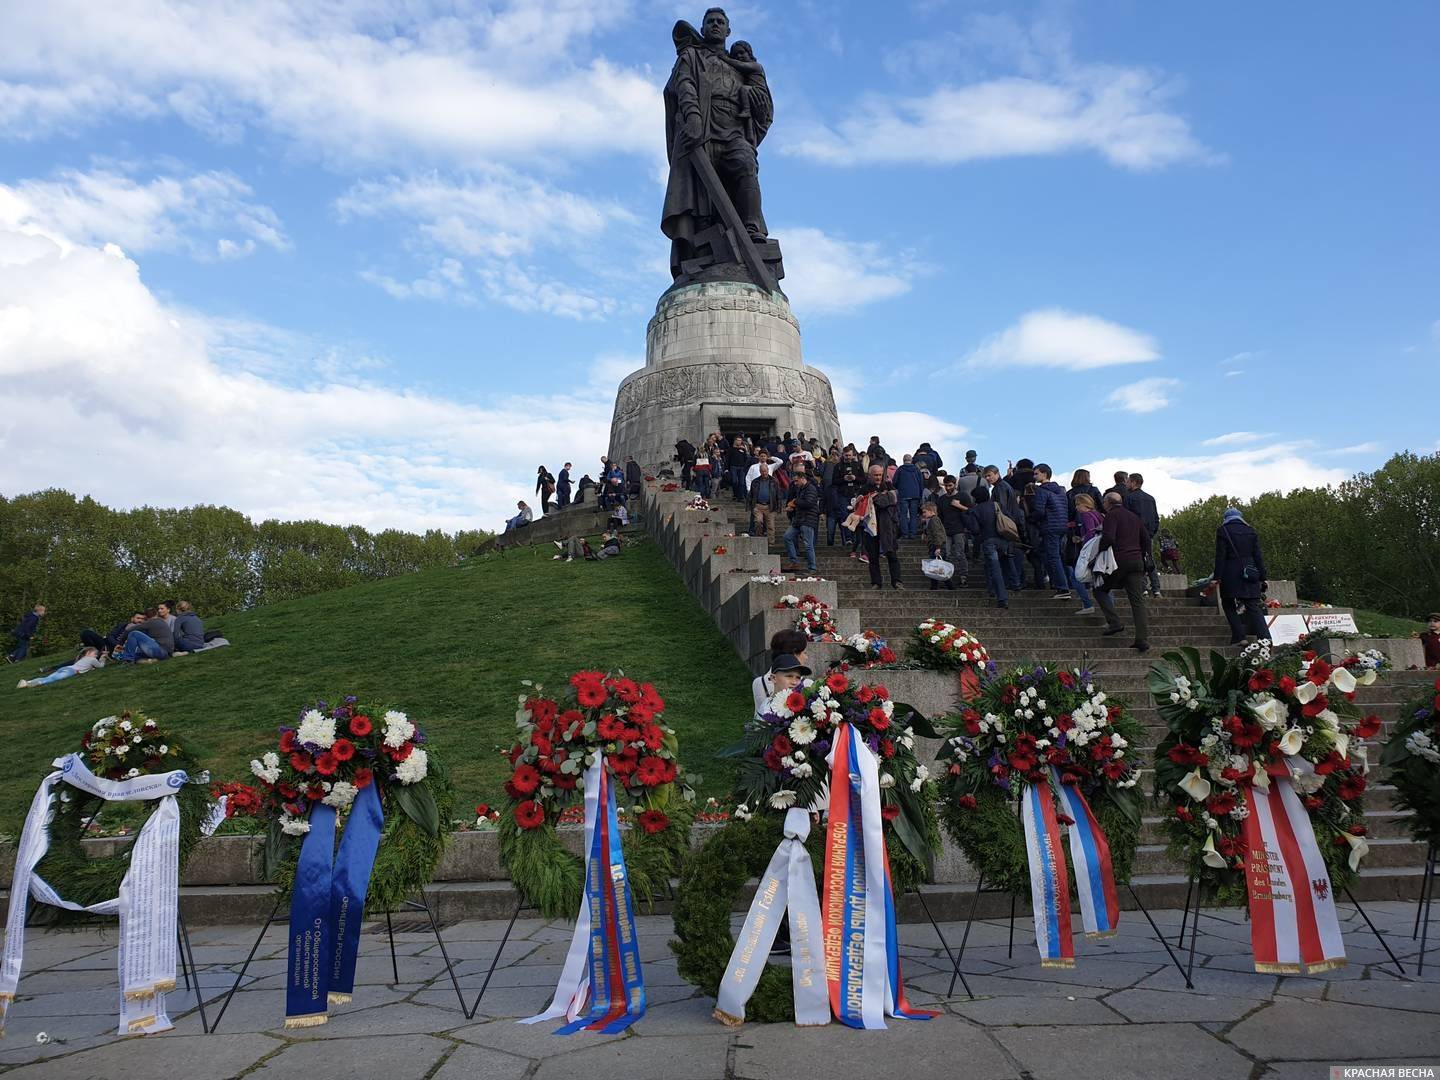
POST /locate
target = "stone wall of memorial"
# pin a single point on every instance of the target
(718, 353)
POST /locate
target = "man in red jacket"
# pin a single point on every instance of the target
(1125, 535)
(1430, 641)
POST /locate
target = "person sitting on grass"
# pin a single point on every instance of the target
(609, 546)
(574, 547)
(188, 630)
(148, 641)
(89, 660)
(520, 520)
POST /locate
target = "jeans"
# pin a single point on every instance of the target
(55, 676)
(138, 643)
(1253, 616)
(909, 517)
(193, 644)
(805, 533)
(702, 484)
(872, 550)
(832, 522)
(1054, 563)
(1079, 587)
(517, 522)
(737, 482)
(22, 649)
(1150, 568)
(957, 554)
(994, 577)
(562, 498)
(1129, 576)
(1013, 564)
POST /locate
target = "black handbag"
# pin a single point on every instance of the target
(1248, 570)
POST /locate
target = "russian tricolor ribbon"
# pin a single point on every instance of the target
(788, 885)
(1293, 925)
(862, 961)
(603, 963)
(1094, 874)
(1049, 878)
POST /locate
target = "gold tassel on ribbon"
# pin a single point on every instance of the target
(141, 1024)
(314, 1020)
(728, 1020)
(1277, 969)
(334, 998)
(1325, 965)
(1097, 935)
(1062, 962)
(138, 995)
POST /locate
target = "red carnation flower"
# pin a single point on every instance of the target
(1115, 769)
(360, 726)
(966, 802)
(1313, 802)
(837, 682)
(287, 742)
(1066, 679)
(1368, 728)
(1262, 680)
(1352, 787)
(652, 821)
(526, 779)
(890, 813)
(1184, 814)
(343, 749)
(300, 762)
(529, 814)
(315, 793)
(782, 745)
(1065, 722)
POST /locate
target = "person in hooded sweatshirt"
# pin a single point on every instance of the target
(1240, 572)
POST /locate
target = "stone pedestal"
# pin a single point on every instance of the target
(719, 356)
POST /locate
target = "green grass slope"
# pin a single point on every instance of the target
(449, 646)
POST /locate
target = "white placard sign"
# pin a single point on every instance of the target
(1288, 629)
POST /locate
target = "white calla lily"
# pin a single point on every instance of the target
(1342, 744)
(1196, 786)
(1342, 679)
(1261, 778)
(1269, 710)
(1367, 677)
(1305, 692)
(1210, 855)
(1292, 741)
(1359, 848)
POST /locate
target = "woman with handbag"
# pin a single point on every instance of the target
(1087, 524)
(1240, 570)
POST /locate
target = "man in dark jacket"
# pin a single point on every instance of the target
(563, 486)
(737, 461)
(929, 459)
(685, 454)
(994, 549)
(909, 486)
(954, 508)
(188, 630)
(882, 497)
(1125, 535)
(1050, 511)
(24, 632)
(1240, 572)
(765, 500)
(147, 641)
(634, 477)
(804, 521)
(1142, 504)
(1012, 558)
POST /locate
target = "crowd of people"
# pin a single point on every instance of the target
(169, 629)
(1018, 526)
(619, 483)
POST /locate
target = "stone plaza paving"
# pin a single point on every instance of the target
(1121, 1012)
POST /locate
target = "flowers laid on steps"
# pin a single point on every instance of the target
(868, 649)
(939, 645)
(813, 617)
(699, 502)
(1412, 755)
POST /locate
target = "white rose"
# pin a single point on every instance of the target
(886, 781)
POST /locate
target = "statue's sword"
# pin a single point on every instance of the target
(739, 236)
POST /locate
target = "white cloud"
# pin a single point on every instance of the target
(1237, 438)
(1053, 337)
(1241, 474)
(385, 80)
(209, 215)
(1233, 374)
(1026, 95)
(1435, 331)
(93, 361)
(1144, 396)
(825, 273)
(1357, 448)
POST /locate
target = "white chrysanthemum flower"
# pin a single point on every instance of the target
(165, 749)
(414, 768)
(291, 826)
(802, 731)
(341, 795)
(886, 780)
(132, 774)
(317, 729)
(803, 770)
(398, 728)
(742, 813)
(782, 799)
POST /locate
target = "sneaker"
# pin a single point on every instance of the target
(963, 583)
(1002, 603)
(558, 544)
(896, 585)
(556, 558)
(854, 554)
(1111, 631)
(1141, 647)
(1063, 594)
(865, 559)
(569, 558)
(22, 684)
(147, 660)
(1086, 610)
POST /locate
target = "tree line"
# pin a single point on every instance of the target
(93, 566)
(1372, 542)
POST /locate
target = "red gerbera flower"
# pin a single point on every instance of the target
(1287, 685)
(887, 748)
(590, 695)
(890, 813)
(966, 802)
(652, 735)
(542, 710)
(1185, 754)
(795, 701)
(882, 693)
(650, 771)
(887, 655)
(526, 779)
(360, 726)
(326, 764)
(300, 762)
(1368, 728)
(864, 695)
(315, 793)
(1220, 805)
(609, 727)
(1352, 787)
(652, 821)
(287, 742)
(529, 814)
(1262, 680)
(343, 750)
(401, 752)
(878, 720)
(837, 682)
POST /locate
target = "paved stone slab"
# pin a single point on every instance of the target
(201, 1057)
(944, 1047)
(1003, 1011)
(1324, 1031)
(1131, 1052)
(1180, 1006)
(529, 1040)
(1418, 997)
(690, 1058)
(396, 1057)
(479, 1063)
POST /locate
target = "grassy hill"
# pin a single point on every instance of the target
(449, 646)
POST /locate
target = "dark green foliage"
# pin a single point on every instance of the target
(93, 566)
(1373, 542)
(1417, 781)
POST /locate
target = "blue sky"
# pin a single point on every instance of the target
(375, 261)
